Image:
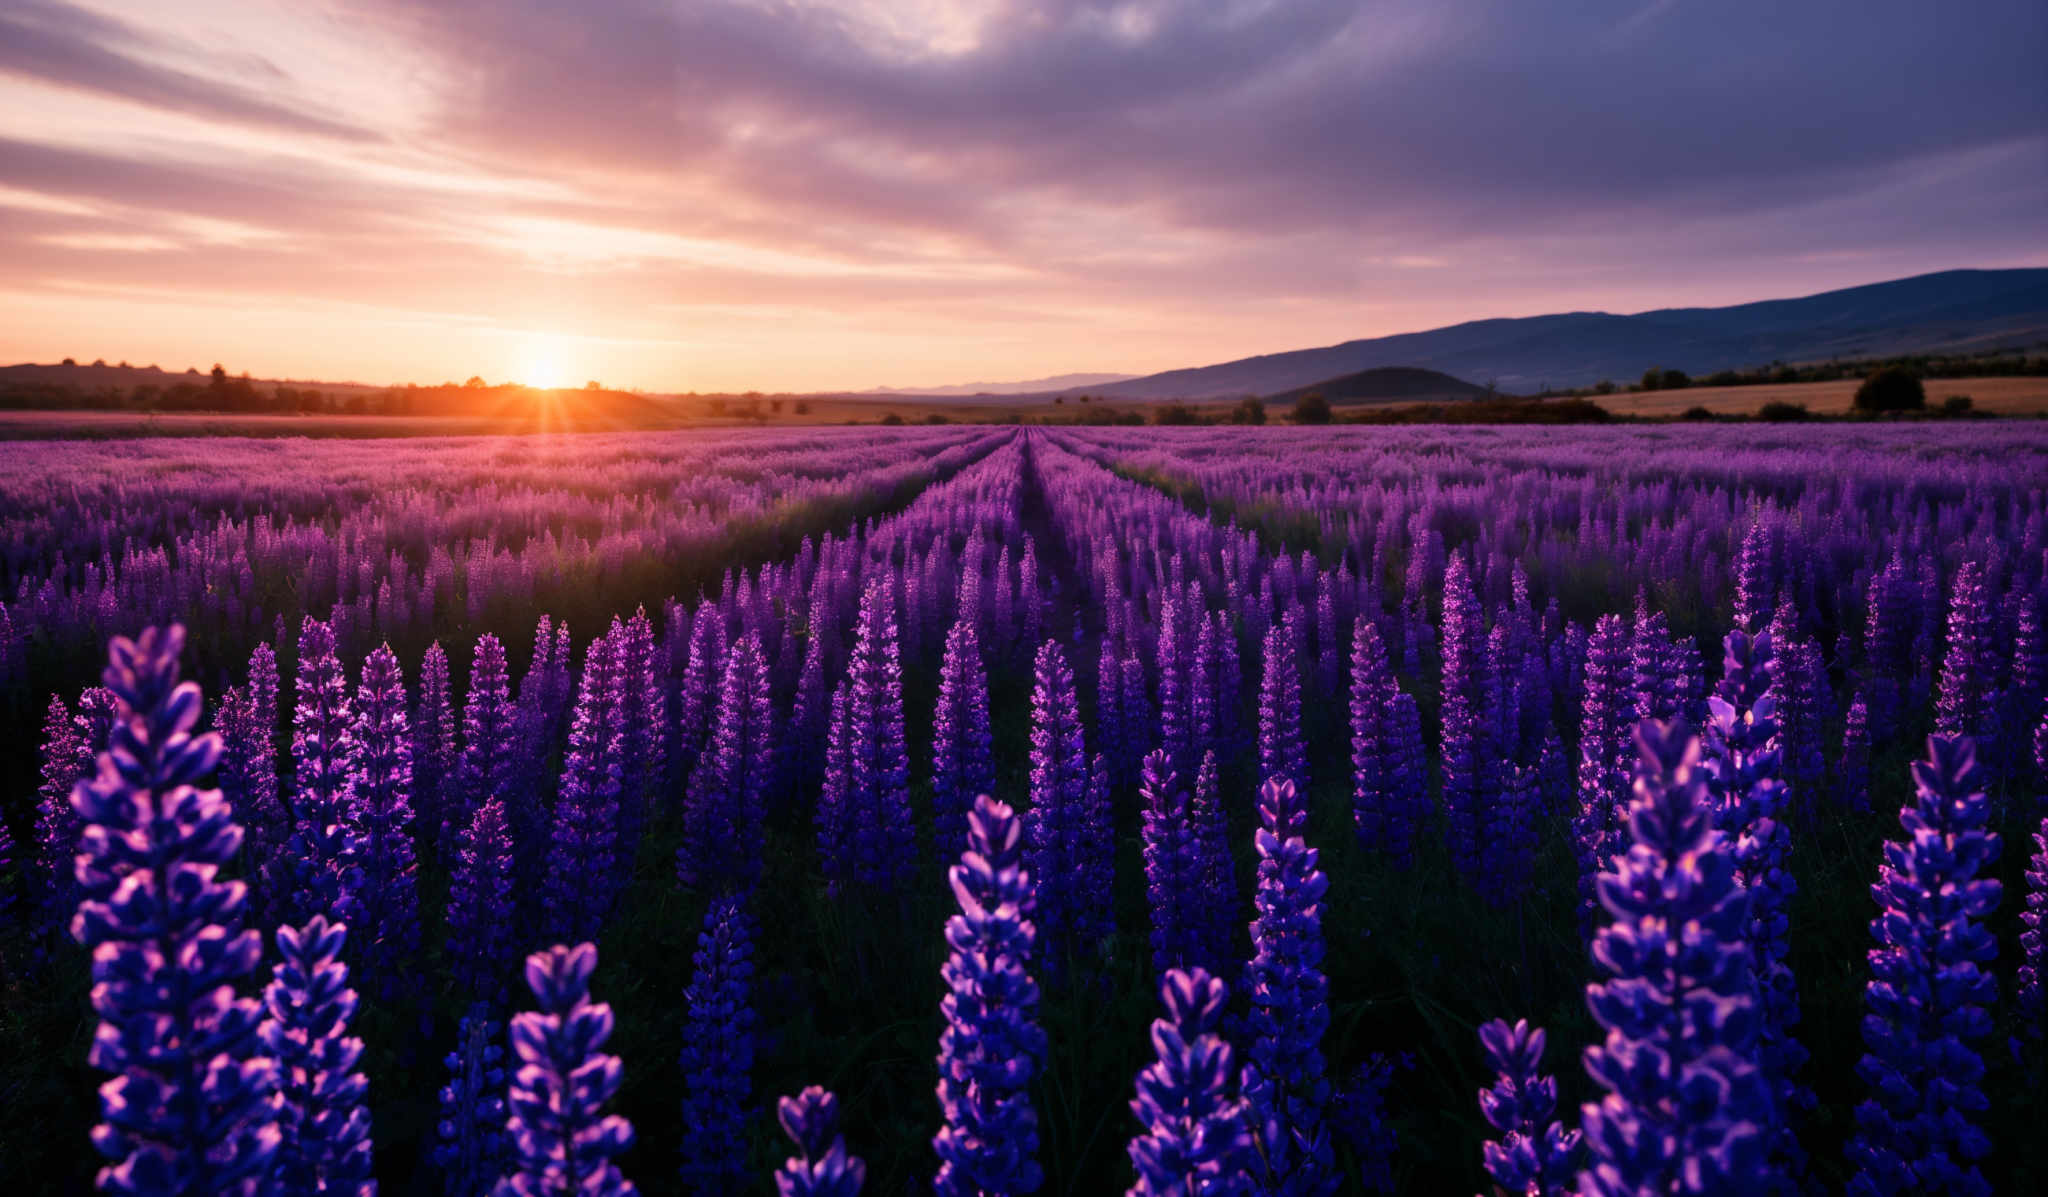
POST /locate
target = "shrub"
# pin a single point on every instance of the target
(1783, 413)
(1958, 405)
(1696, 413)
(893, 420)
(1311, 408)
(1175, 414)
(1891, 389)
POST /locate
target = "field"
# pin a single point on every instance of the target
(1998, 396)
(1352, 739)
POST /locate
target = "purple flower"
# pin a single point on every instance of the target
(1284, 1084)
(872, 843)
(482, 919)
(490, 755)
(961, 765)
(1852, 787)
(2032, 977)
(1282, 751)
(1962, 706)
(323, 758)
(992, 1043)
(1176, 697)
(1686, 1106)
(821, 1167)
(387, 916)
(1174, 871)
(323, 1117)
(728, 799)
(1742, 766)
(697, 698)
(1070, 848)
(185, 1111)
(718, 1052)
(582, 857)
(1929, 994)
(562, 1140)
(1470, 779)
(1384, 807)
(1195, 1140)
(1535, 1154)
(66, 758)
(472, 1148)
(1597, 834)
(1222, 915)
(434, 757)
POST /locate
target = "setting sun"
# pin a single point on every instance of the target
(547, 362)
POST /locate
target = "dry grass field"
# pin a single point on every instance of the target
(2000, 396)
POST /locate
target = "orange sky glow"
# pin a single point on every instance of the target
(730, 195)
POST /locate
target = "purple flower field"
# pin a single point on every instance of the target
(971, 810)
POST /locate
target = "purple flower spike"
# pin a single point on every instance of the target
(562, 1141)
(1535, 1154)
(1195, 1141)
(1930, 994)
(323, 1116)
(821, 1167)
(186, 1110)
(992, 1042)
(1679, 992)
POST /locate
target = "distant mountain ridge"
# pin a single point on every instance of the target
(1034, 386)
(1952, 311)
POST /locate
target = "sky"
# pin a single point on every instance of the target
(804, 195)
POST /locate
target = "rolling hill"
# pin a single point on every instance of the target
(1387, 384)
(1953, 311)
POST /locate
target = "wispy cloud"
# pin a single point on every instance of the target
(999, 186)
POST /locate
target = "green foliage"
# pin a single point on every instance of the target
(1249, 410)
(1175, 414)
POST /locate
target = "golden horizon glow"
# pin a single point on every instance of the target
(546, 362)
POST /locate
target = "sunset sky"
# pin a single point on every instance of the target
(793, 194)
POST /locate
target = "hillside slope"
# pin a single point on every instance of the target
(1956, 310)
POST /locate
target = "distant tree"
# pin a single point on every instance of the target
(1058, 400)
(775, 405)
(1891, 389)
(1174, 414)
(1083, 399)
(893, 420)
(1604, 387)
(593, 385)
(70, 361)
(1783, 413)
(936, 418)
(220, 377)
(1673, 380)
(1697, 413)
(1958, 405)
(1653, 378)
(802, 407)
(124, 363)
(715, 406)
(1311, 408)
(476, 382)
(1249, 410)
(100, 362)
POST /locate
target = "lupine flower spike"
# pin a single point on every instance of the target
(821, 1167)
(562, 1141)
(322, 1114)
(1929, 994)
(186, 1110)
(1195, 1141)
(992, 1042)
(1535, 1155)
(1686, 1105)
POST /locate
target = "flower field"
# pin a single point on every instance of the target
(979, 810)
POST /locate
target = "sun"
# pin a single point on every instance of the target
(546, 361)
